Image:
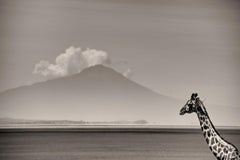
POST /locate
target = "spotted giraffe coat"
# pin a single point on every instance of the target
(221, 149)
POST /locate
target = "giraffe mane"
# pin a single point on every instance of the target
(201, 105)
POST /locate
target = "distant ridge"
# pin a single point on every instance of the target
(23, 125)
(26, 122)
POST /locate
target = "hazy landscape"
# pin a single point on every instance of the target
(100, 94)
(106, 79)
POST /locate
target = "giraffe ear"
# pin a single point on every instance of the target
(192, 96)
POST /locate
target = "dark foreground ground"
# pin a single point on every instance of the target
(75, 144)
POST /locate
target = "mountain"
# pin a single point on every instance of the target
(97, 94)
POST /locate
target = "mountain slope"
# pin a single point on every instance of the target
(96, 94)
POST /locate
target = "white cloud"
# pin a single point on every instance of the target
(73, 61)
(128, 73)
(94, 57)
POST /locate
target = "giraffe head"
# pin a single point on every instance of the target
(192, 105)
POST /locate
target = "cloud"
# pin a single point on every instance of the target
(72, 61)
(128, 73)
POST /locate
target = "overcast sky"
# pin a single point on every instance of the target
(174, 47)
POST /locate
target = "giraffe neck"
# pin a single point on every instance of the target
(219, 147)
(208, 128)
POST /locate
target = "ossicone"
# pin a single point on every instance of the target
(194, 96)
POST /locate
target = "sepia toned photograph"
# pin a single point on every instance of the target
(119, 80)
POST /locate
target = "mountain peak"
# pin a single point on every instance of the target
(99, 69)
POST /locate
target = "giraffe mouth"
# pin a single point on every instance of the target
(182, 111)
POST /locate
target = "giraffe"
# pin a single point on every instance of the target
(221, 149)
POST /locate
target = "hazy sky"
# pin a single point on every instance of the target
(174, 47)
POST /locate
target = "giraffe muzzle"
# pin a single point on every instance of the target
(182, 111)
